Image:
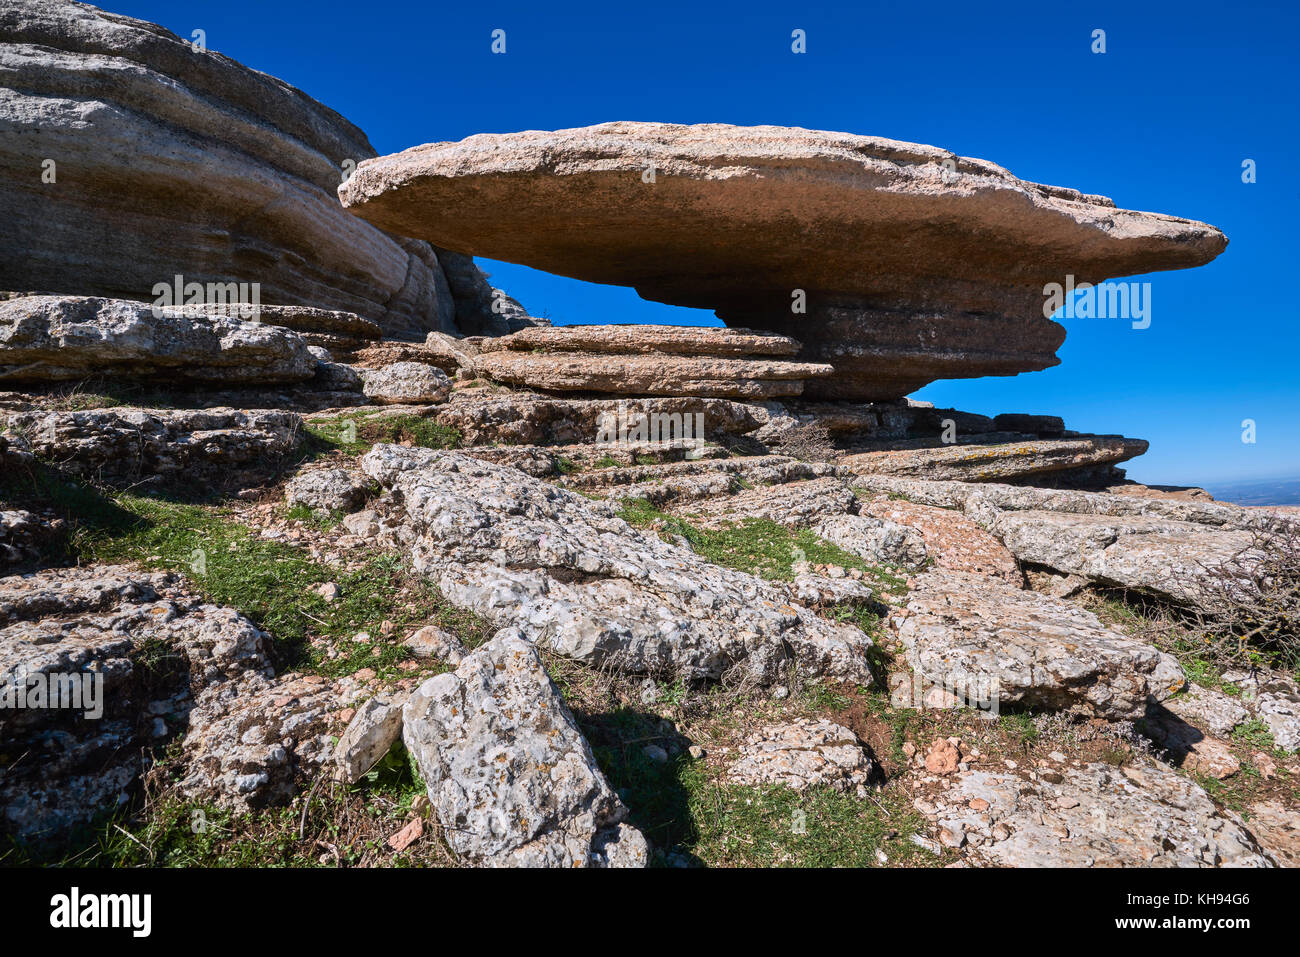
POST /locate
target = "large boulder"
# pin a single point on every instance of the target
(996, 642)
(575, 578)
(135, 652)
(174, 160)
(125, 444)
(894, 262)
(510, 776)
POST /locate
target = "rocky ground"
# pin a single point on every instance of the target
(450, 620)
(390, 572)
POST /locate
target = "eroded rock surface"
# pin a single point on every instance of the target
(914, 263)
(1023, 648)
(510, 776)
(574, 577)
(61, 338)
(1098, 816)
(803, 753)
(175, 160)
(119, 444)
(107, 624)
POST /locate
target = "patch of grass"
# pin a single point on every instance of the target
(820, 827)
(273, 583)
(566, 466)
(606, 461)
(355, 434)
(759, 546)
(316, 517)
(1256, 736)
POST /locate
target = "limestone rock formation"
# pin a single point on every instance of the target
(952, 540)
(1005, 457)
(1097, 816)
(176, 161)
(669, 375)
(126, 444)
(61, 338)
(803, 753)
(969, 631)
(894, 262)
(405, 383)
(103, 621)
(577, 579)
(509, 774)
(331, 489)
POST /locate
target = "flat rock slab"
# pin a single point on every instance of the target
(574, 577)
(510, 776)
(641, 374)
(124, 444)
(62, 338)
(971, 462)
(524, 418)
(915, 263)
(655, 340)
(803, 753)
(985, 499)
(1161, 556)
(952, 540)
(175, 160)
(971, 632)
(1098, 816)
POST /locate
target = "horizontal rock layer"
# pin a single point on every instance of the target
(639, 374)
(171, 160)
(913, 263)
(62, 338)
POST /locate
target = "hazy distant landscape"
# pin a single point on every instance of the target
(1283, 491)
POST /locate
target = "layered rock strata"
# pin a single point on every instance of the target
(894, 262)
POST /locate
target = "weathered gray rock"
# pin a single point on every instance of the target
(333, 489)
(649, 375)
(1273, 698)
(630, 339)
(404, 383)
(574, 577)
(375, 727)
(172, 160)
(1164, 557)
(60, 338)
(491, 418)
(251, 742)
(915, 263)
(108, 624)
(1023, 648)
(803, 753)
(124, 444)
(24, 537)
(972, 460)
(982, 499)
(432, 642)
(1098, 816)
(509, 774)
(1213, 710)
(951, 539)
(876, 540)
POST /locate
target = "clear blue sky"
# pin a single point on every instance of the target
(1161, 121)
